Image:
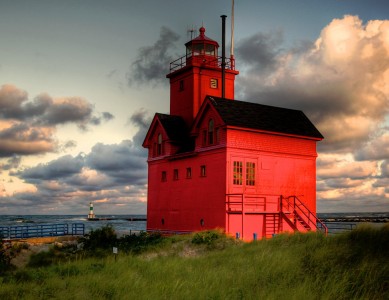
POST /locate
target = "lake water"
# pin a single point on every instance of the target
(122, 226)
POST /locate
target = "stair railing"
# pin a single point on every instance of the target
(300, 209)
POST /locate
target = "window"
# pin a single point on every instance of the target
(250, 173)
(238, 172)
(155, 150)
(159, 148)
(217, 133)
(175, 174)
(163, 177)
(202, 171)
(181, 85)
(204, 137)
(210, 131)
(188, 172)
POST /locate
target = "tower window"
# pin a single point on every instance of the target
(250, 173)
(210, 131)
(188, 173)
(217, 133)
(160, 145)
(203, 171)
(181, 85)
(238, 173)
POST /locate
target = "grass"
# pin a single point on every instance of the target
(208, 265)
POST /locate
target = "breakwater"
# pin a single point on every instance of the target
(356, 219)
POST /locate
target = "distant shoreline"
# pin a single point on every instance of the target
(356, 219)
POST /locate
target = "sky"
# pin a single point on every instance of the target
(80, 81)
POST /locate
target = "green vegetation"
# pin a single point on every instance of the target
(209, 265)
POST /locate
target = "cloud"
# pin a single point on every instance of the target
(151, 64)
(58, 169)
(142, 120)
(114, 175)
(375, 149)
(28, 126)
(340, 82)
(12, 163)
(124, 162)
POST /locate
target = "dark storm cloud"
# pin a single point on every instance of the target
(125, 162)
(152, 62)
(58, 169)
(260, 50)
(142, 120)
(28, 127)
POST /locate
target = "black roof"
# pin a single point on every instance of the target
(175, 126)
(264, 117)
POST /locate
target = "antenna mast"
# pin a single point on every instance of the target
(232, 37)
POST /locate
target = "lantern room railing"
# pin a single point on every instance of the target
(215, 62)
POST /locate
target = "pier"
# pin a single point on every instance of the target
(113, 219)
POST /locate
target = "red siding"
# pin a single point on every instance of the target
(184, 202)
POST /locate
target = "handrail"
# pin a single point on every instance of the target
(181, 62)
(316, 221)
(41, 230)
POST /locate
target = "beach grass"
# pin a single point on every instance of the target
(209, 265)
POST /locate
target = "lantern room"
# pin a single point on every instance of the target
(202, 48)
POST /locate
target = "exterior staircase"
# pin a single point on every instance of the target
(298, 216)
(272, 225)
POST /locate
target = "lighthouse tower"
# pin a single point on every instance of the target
(198, 74)
(91, 214)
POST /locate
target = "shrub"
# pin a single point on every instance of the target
(139, 243)
(205, 237)
(4, 258)
(102, 238)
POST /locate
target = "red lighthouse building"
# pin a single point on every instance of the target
(214, 162)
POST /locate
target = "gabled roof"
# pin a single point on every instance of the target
(175, 129)
(264, 117)
(174, 126)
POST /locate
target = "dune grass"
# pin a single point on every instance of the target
(209, 265)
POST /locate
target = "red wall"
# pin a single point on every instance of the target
(187, 102)
(184, 202)
(284, 166)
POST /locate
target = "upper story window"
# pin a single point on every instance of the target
(181, 88)
(204, 136)
(211, 135)
(160, 145)
(211, 130)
